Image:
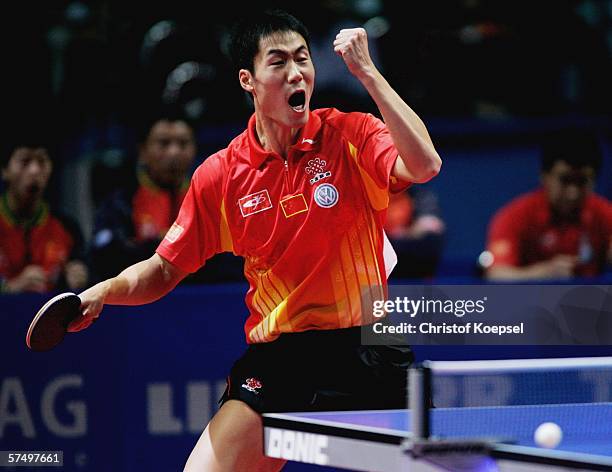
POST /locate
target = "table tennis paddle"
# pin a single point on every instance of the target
(50, 324)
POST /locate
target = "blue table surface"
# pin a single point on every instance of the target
(587, 428)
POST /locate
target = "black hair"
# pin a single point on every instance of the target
(164, 113)
(26, 136)
(577, 148)
(247, 32)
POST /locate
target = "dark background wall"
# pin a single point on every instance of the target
(488, 77)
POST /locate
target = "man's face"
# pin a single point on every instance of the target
(283, 80)
(567, 187)
(27, 173)
(168, 152)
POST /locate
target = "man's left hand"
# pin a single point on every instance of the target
(352, 46)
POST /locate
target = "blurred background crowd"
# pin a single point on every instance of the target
(109, 106)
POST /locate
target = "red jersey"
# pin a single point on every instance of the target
(399, 214)
(42, 241)
(154, 209)
(523, 233)
(309, 228)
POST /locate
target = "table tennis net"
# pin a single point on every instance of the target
(521, 382)
(512, 397)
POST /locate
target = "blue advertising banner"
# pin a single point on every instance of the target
(134, 391)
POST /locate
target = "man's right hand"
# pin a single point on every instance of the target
(143, 282)
(92, 302)
(31, 279)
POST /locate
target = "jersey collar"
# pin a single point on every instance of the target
(308, 140)
(38, 218)
(145, 181)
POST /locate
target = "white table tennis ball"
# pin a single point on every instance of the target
(548, 435)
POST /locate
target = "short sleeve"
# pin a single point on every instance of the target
(372, 148)
(197, 233)
(378, 151)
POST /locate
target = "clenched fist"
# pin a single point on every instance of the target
(352, 45)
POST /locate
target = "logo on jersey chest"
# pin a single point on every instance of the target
(255, 203)
(326, 195)
(316, 168)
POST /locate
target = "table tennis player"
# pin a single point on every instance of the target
(301, 196)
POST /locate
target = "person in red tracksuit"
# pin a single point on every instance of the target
(40, 250)
(561, 230)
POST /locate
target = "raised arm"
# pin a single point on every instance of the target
(419, 160)
(141, 283)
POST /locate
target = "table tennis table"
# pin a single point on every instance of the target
(462, 439)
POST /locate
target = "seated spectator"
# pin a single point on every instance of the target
(415, 230)
(40, 249)
(561, 230)
(131, 221)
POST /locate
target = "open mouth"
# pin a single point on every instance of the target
(297, 101)
(33, 189)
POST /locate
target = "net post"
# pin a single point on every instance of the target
(419, 389)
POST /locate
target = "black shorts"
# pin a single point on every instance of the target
(318, 371)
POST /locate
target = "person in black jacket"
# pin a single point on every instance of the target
(130, 221)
